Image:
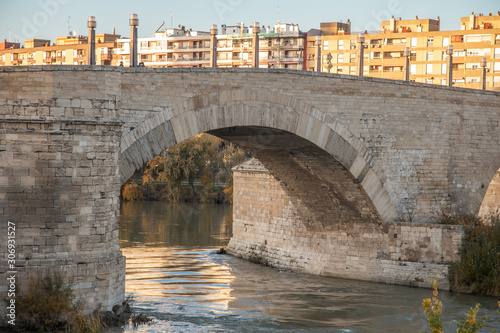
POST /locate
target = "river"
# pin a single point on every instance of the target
(175, 277)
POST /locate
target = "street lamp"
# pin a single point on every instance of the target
(134, 22)
(406, 54)
(449, 52)
(361, 41)
(91, 23)
(213, 46)
(483, 76)
(329, 62)
(256, 30)
(318, 54)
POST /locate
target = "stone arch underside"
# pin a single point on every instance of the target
(491, 201)
(271, 125)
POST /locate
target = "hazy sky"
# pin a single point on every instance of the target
(48, 19)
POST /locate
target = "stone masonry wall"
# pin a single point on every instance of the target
(267, 229)
(60, 184)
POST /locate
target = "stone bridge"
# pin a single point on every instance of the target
(351, 153)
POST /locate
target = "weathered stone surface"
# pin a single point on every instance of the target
(267, 228)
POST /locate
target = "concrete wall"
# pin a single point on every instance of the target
(268, 229)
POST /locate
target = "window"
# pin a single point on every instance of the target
(473, 80)
(443, 68)
(443, 82)
(497, 53)
(472, 65)
(414, 42)
(446, 41)
(413, 69)
(341, 44)
(496, 81)
(478, 52)
(429, 56)
(428, 69)
(325, 45)
(430, 41)
(478, 38)
(428, 81)
(459, 53)
(340, 58)
(496, 67)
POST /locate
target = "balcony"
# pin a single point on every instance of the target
(188, 60)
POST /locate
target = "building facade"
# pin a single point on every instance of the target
(478, 37)
(66, 51)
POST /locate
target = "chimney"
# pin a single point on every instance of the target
(472, 21)
(393, 24)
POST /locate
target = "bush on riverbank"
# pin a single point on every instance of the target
(49, 305)
(478, 269)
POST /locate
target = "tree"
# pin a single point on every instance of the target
(204, 157)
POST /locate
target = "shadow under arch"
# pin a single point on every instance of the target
(270, 123)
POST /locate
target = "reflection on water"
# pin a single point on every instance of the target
(175, 276)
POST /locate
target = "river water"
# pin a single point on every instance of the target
(176, 278)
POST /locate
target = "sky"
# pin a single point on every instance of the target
(48, 19)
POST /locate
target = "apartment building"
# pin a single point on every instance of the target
(68, 50)
(173, 47)
(279, 47)
(478, 37)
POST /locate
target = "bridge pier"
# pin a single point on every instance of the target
(268, 228)
(60, 189)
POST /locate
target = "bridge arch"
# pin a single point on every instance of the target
(490, 204)
(264, 116)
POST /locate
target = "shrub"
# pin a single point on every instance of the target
(49, 306)
(478, 269)
(131, 192)
(433, 308)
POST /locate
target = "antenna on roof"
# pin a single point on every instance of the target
(278, 8)
(171, 20)
(162, 23)
(9, 34)
(69, 27)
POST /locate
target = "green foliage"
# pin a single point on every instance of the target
(433, 308)
(471, 324)
(204, 158)
(478, 270)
